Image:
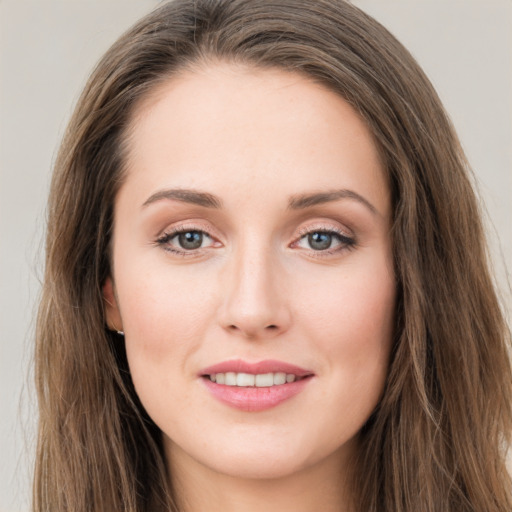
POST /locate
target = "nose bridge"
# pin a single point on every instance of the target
(254, 305)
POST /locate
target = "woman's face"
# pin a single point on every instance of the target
(253, 271)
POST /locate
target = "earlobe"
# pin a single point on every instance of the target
(112, 314)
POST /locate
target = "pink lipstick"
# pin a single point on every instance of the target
(254, 386)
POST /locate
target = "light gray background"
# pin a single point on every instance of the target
(47, 48)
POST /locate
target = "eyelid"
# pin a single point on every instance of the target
(167, 234)
(189, 225)
(347, 241)
(326, 226)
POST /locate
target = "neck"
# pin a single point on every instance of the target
(319, 487)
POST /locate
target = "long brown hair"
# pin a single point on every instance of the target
(437, 440)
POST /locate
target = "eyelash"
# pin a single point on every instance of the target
(167, 236)
(346, 243)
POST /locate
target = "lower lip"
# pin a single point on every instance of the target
(254, 399)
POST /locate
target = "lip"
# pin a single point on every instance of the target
(255, 399)
(267, 366)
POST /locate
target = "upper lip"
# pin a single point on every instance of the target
(267, 366)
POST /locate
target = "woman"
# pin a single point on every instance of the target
(266, 279)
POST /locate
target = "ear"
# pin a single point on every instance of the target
(112, 314)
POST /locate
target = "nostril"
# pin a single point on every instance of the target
(252, 327)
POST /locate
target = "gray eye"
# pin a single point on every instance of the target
(320, 241)
(190, 240)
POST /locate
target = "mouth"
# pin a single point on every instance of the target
(255, 386)
(248, 380)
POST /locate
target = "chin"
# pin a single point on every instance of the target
(262, 458)
(260, 468)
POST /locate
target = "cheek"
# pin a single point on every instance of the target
(164, 315)
(352, 320)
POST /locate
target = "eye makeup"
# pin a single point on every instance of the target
(320, 240)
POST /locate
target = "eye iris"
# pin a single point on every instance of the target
(320, 241)
(190, 239)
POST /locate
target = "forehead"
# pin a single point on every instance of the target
(229, 125)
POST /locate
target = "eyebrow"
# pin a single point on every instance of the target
(296, 202)
(302, 201)
(185, 196)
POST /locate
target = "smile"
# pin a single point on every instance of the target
(253, 387)
(260, 380)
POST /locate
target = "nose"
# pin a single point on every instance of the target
(255, 300)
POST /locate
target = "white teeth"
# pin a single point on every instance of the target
(261, 380)
(244, 379)
(264, 380)
(280, 378)
(230, 379)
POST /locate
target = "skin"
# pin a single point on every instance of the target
(257, 288)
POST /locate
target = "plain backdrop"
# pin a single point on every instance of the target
(48, 47)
